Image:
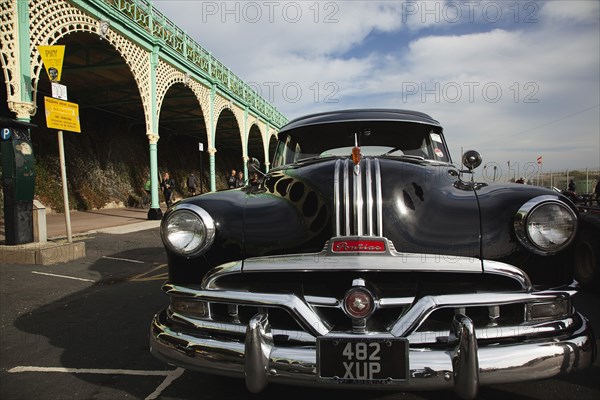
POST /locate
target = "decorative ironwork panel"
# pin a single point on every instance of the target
(51, 20)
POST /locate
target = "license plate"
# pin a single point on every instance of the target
(364, 360)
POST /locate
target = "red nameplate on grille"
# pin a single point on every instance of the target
(361, 246)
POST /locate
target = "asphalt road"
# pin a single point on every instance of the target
(80, 331)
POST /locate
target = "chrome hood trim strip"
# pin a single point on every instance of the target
(362, 213)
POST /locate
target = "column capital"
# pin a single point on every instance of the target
(152, 137)
(211, 151)
(24, 110)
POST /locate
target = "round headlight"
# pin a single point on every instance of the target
(545, 225)
(187, 230)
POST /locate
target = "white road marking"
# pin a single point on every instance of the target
(171, 375)
(174, 374)
(63, 276)
(123, 259)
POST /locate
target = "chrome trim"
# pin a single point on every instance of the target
(295, 306)
(418, 313)
(369, 186)
(211, 277)
(207, 221)
(390, 260)
(498, 268)
(390, 302)
(497, 332)
(428, 368)
(378, 198)
(257, 351)
(465, 359)
(235, 328)
(336, 196)
(322, 301)
(358, 201)
(346, 198)
(521, 217)
(416, 338)
(406, 325)
(351, 208)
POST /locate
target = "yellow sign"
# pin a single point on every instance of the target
(52, 56)
(62, 115)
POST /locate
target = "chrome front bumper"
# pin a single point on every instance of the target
(461, 366)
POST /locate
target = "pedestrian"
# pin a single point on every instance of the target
(147, 193)
(231, 180)
(572, 186)
(191, 184)
(168, 185)
(255, 181)
(240, 182)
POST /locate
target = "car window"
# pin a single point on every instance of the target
(393, 139)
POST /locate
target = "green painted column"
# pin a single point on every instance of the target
(245, 140)
(24, 51)
(155, 212)
(212, 150)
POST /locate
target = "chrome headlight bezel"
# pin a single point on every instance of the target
(530, 208)
(201, 230)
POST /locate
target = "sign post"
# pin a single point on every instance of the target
(201, 149)
(63, 177)
(62, 115)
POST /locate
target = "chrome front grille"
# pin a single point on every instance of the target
(357, 198)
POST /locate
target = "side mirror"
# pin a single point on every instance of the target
(471, 159)
(253, 165)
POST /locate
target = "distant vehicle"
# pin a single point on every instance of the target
(365, 258)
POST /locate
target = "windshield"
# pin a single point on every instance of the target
(395, 139)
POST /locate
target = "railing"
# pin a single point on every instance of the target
(144, 15)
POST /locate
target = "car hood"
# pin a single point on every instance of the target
(417, 205)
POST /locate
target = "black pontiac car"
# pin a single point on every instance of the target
(365, 258)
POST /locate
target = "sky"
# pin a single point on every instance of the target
(514, 80)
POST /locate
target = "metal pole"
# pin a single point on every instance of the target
(587, 181)
(200, 149)
(63, 175)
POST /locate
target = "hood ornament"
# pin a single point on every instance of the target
(356, 156)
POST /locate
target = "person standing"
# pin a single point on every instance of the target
(240, 182)
(255, 180)
(231, 180)
(571, 187)
(168, 185)
(191, 184)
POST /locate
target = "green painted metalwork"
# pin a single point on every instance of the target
(23, 37)
(143, 15)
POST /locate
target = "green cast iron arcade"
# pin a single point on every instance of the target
(158, 55)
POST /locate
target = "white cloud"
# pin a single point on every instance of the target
(307, 62)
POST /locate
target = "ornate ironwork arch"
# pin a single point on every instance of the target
(167, 76)
(50, 20)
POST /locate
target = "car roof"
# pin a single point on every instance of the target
(380, 114)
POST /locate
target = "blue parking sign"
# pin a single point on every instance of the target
(6, 133)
